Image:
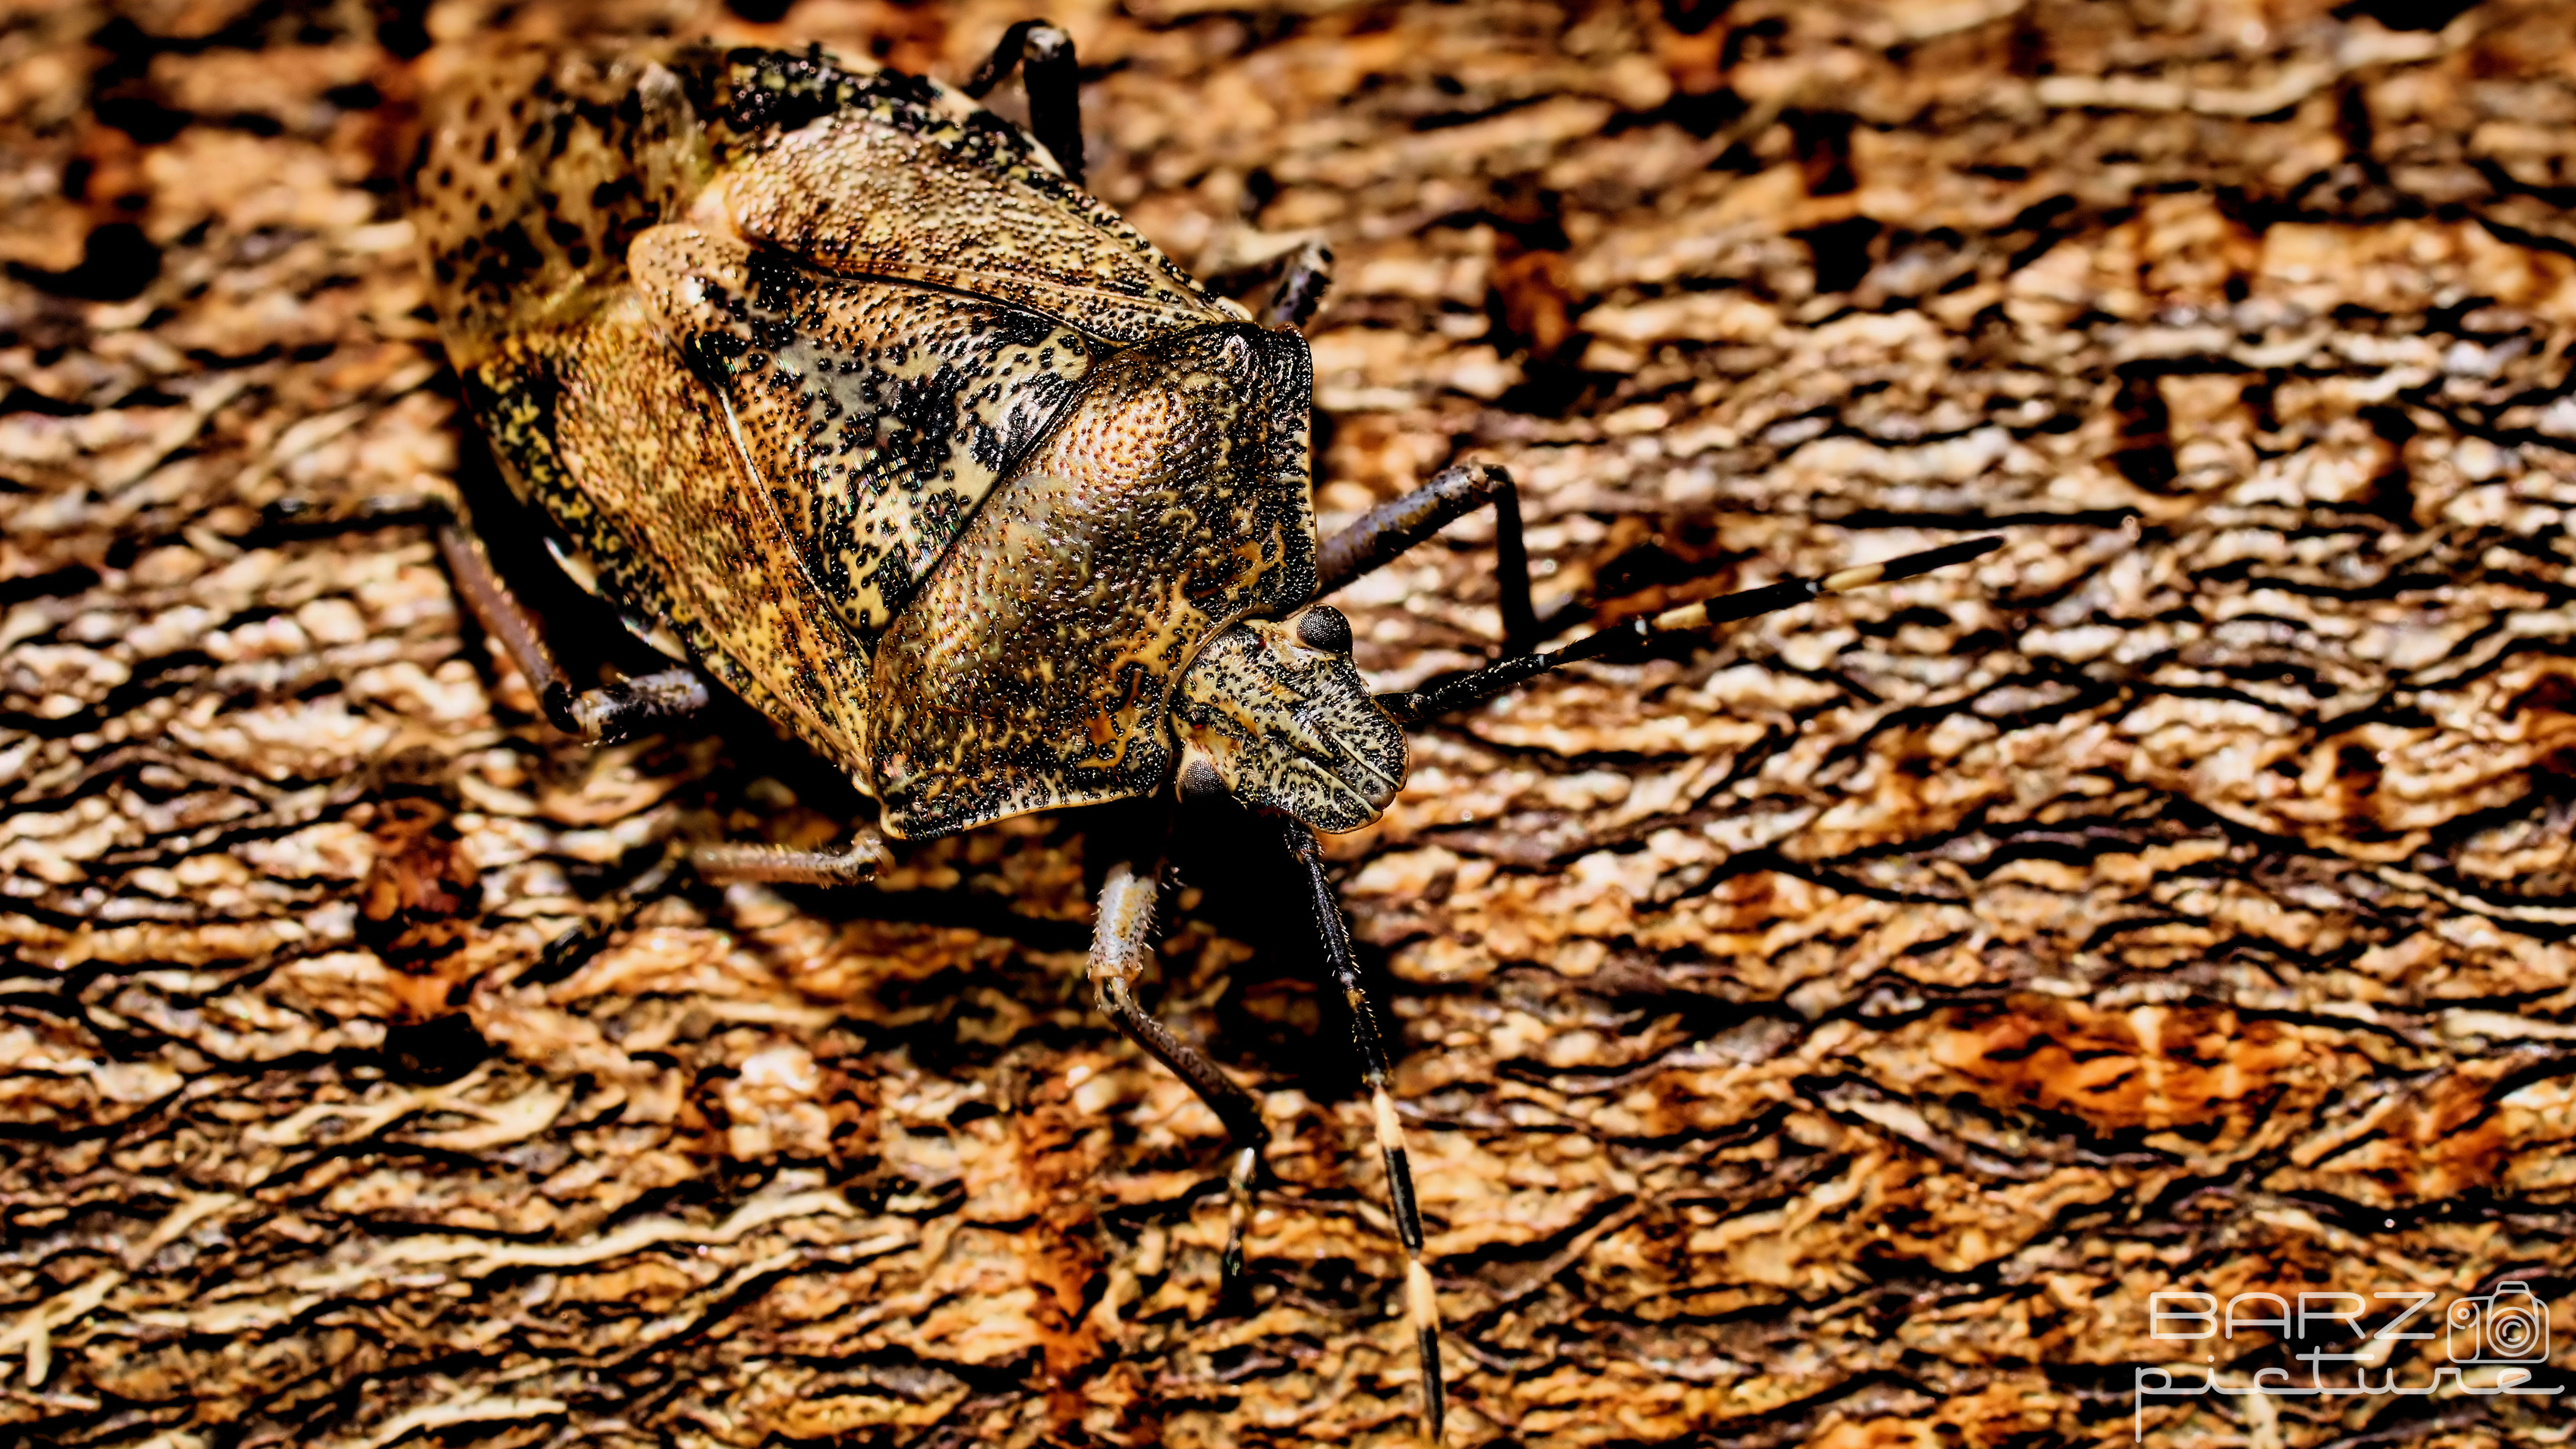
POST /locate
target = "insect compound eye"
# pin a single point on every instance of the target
(1324, 628)
(1200, 783)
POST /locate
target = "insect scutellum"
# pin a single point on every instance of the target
(848, 397)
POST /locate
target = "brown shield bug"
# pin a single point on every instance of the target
(850, 398)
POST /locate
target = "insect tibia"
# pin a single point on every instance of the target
(1302, 280)
(1049, 76)
(614, 711)
(1123, 937)
(851, 864)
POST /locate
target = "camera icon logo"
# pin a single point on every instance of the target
(2508, 1325)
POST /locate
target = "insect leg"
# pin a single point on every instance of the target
(1120, 946)
(1301, 286)
(857, 861)
(1048, 78)
(609, 712)
(1391, 528)
(1422, 1306)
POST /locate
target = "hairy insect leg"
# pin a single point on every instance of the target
(1422, 1305)
(609, 712)
(851, 864)
(1301, 286)
(1388, 530)
(1121, 943)
(1049, 78)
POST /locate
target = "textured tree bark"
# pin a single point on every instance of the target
(1830, 1032)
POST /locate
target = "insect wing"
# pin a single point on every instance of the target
(877, 414)
(908, 180)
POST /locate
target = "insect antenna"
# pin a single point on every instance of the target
(1422, 1306)
(1414, 706)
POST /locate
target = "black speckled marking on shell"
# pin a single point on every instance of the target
(878, 414)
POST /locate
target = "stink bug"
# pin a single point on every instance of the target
(852, 400)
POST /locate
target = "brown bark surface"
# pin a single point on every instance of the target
(1830, 1032)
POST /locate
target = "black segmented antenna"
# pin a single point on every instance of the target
(1448, 696)
(1421, 1303)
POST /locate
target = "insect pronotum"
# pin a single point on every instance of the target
(851, 399)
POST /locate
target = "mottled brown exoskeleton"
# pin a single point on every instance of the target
(845, 392)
